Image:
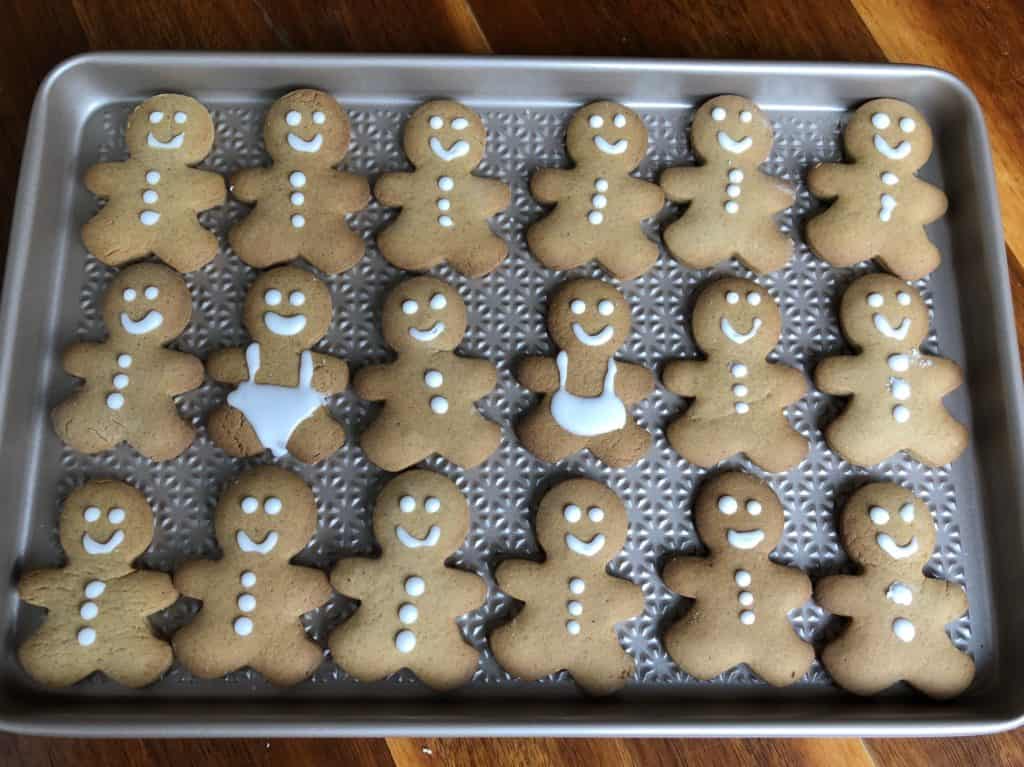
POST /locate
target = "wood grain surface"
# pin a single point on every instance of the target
(980, 41)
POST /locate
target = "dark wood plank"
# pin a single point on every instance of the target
(1005, 750)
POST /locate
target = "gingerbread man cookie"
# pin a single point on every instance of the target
(741, 598)
(409, 597)
(880, 207)
(98, 604)
(154, 198)
(895, 391)
(586, 390)
(445, 208)
(732, 202)
(572, 604)
(280, 400)
(301, 200)
(130, 380)
(253, 597)
(740, 396)
(897, 630)
(598, 205)
(429, 392)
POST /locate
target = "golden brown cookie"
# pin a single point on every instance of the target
(154, 198)
(739, 396)
(98, 603)
(572, 604)
(598, 204)
(897, 630)
(301, 200)
(409, 597)
(732, 202)
(895, 391)
(130, 380)
(879, 207)
(741, 598)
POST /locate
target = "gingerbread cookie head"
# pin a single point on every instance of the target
(738, 318)
(420, 513)
(105, 524)
(607, 133)
(890, 133)
(306, 127)
(446, 136)
(732, 129)
(424, 315)
(268, 511)
(170, 129)
(588, 317)
(287, 306)
(147, 304)
(886, 527)
(736, 513)
(882, 312)
(581, 518)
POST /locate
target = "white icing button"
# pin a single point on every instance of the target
(445, 184)
(408, 613)
(152, 177)
(890, 179)
(444, 203)
(86, 636)
(115, 401)
(575, 608)
(739, 390)
(297, 198)
(149, 217)
(573, 627)
(94, 589)
(405, 641)
(900, 388)
(595, 217)
(732, 206)
(433, 378)
(297, 178)
(120, 381)
(88, 611)
(439, 405)
(246, 603)
(747, 617)
(298, 221)
(733, 190)
(735, 175)
(149, 197)
(601, 185)
(124, 360)
(746, 598)
(415, 586)
(432, 505)
(599, 201)
(243, 626)
(742, 408)
(248, 579)
(904, 630)
(738, 370)
(445, 221)
(901, 414)
(743, 578)
(576, 585)
(899, 363)
(407, 504)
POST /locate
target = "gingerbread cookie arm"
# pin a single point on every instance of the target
(36, 587)
(548, 185)
(634, 382)
(626, 597)
(798, 585)
(467, 589)
(685, 575)
(538, 374)
(780, 194)
(791, 387)
(373, 383)
(104, 179)
(309, 588)
(392, 189)
(837, 375)
(932, 202)
(949, 599)
(248, 185)
(208, 188)
(493, 195)
(828, 180)
(193, 578)
(352, 192)
(683, 377)
(516, 577)
(330, 374)
(228, 366)
(948, 373)
(183, 373)
(481, 376)
(153, 590)
(840, 594)
(647, 197)
(76, 358)
(682, 184)
(354, 576)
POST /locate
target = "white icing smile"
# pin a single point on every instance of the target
(147, 324)
(429, 334)
(459, 149)
(586, 548)
(745, 539)
(411, 541)
(300, 145)
(246, 544)
(729, 144)
(174, 143)
(601, 337)
(736, 337)
(887, 330)
(899, 152)
(893, 549)
(617, 148)
(284, 326)
(92, 546)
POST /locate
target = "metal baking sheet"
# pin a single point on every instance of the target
(51, 295)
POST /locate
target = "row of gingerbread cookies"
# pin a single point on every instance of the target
(411, 597)
(301, 200)
(279, 399)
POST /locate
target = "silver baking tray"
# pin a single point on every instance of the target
(51, 292)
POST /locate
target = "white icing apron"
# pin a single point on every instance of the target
(276, 411)
(587, 416)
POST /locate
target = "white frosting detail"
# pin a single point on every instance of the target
(899, 593)
(747, 617)
(152, 177)
(298, 221)
(147, 324)
(94, 547)
(890, 179)
(246, 603)
(150, 197)
(248, 579)
(898, 333)
(745, 598)
(575, 608)
(898, 363)
(899, 152)
(249, 546)
(900, 389)
(301, 145)
(124, 360)
(297, 198)
(904, 630)
(445, 183)
(740, 338)
(608, 148)
(243, 626)
(86, 636)
(149, 217)
(728, 505)
(901, 414)
(407, 613)
(601, 185)
(94, 589)
(729, 144)
(889, 546)
(600, 338)
(115, 401)
(573, 627)
(745, 539)
(175, 143)
(742, 408)
(585, 548)
(878, 515)
(732, 207)
(577, 586)
(284, 326)
(459, 149)
(410, 541)
(738, 370)
(587, 416)
(88, 611)
(433, 379)
(429, 334)
(415, 586)
(297, 178)
(888, 202)
(405, 641)
(743, 579)
(880, 120)
(439, 405)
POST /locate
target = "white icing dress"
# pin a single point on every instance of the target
(587, 416)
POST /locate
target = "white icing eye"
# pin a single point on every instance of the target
(272, 297)
(619, 121)
(436, 122)
(438, 301)
(180, 117)
(151, 292)
(410, 307)
(297, 298)
(907, 124)
(732, 297)
(129, 294)
(250, 505)
(880, 120)
(746, 116)
(595, 514)
(272, 506)
(878, 515)
(460, 123)
(407, 504)
(293, 118)
(727, 505)
(432, 505)
(718, 114)
(903, 298)
(578, 306)
(754, 299)
(115, 516)
(595, 121)
(875, 300)
(91, 514)
(572, 513)
(155, 117)
(754, 507)
(319, 117)
(605, 307)
(907, 512)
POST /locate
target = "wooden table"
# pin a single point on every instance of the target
(979, 41)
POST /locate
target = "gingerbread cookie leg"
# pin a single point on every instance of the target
(622, 448)
(786, 663)
(939, 450)
(542, 436)
(169, 442)
(138, 664)
(316, 438)
(390, 452)
(290, 658)
(699, 442)
(468, 453)
(83, 428)
(846, 664)
(784, 451)
(230, 430)
(688, 645)
(958, 672)
(37, 654)
(192, 648)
